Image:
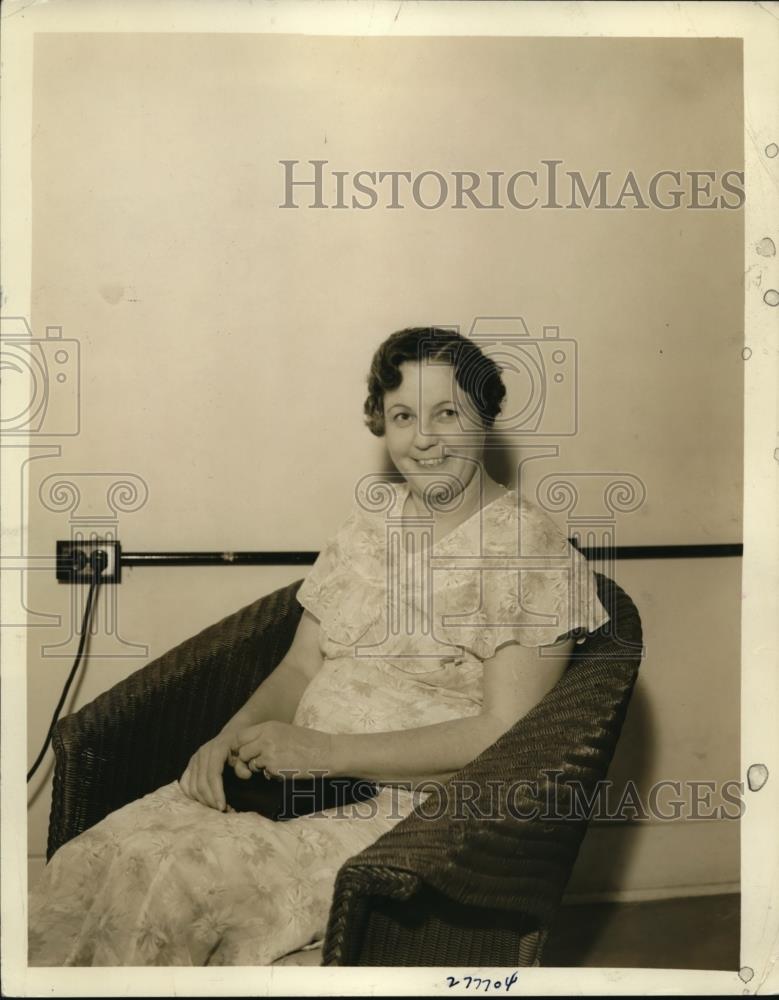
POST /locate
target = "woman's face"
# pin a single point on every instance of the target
(429, 436)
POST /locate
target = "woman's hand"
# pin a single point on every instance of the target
(279, 746)
(202, 779)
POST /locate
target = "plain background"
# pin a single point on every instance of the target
(224, 342)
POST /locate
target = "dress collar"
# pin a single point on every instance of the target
(508, 497)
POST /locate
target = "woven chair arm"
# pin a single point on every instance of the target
(503, 833)
(140, 734)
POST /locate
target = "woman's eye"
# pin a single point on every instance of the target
(447, 414)
(401, 418)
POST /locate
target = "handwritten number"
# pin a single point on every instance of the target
(477, 981)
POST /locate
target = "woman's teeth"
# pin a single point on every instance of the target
(429, 461)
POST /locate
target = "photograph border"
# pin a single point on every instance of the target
(758, 25)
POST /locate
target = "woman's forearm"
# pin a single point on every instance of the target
(417, 780)
(438, 749)
(277, 698)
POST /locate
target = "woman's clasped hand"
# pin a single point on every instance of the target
(277, 748)
(284, 750)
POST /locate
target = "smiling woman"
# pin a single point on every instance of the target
(433, 395)
(419, 646)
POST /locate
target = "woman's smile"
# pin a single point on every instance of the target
(429, 433)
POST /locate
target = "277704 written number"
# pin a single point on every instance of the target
(483, 983)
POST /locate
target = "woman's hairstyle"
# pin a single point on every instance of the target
(474, 372)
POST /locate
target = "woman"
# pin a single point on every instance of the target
(417, 648)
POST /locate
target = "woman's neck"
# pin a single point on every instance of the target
(480, 491)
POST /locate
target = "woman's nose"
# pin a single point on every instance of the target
(424, 439)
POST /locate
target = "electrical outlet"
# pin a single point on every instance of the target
(73, 564)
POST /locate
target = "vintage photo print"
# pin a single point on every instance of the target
(389, 498)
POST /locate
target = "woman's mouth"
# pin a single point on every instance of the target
(429, 462)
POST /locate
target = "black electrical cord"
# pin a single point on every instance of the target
(98, 560)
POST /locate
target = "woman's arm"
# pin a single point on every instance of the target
(279, 694)
(516, 678)
(276, 698)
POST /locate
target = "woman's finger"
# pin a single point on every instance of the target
(242, 770)
(249, 750)
(216, 764)
(200, 782)
(194, 778)
(204, 792)
(189, 782)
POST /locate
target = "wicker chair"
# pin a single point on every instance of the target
(462, 889)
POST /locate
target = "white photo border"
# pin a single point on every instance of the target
(758, 25)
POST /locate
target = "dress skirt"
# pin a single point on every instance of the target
(167, 881)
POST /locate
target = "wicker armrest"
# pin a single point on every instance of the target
(470, 884)
(140, 734)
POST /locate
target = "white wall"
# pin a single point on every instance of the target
(225, 341)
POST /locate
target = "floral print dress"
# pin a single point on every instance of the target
(406, 625)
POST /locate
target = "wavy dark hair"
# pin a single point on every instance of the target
(474, 372)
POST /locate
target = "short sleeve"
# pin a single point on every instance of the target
(542, 607)
(541, 599)
(339, 589)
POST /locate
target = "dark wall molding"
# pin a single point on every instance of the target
(291, 558)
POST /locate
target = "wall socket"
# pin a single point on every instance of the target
(73, 561)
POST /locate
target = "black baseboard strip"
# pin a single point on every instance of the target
(264, 558)
(218, 558)
(598, 553)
